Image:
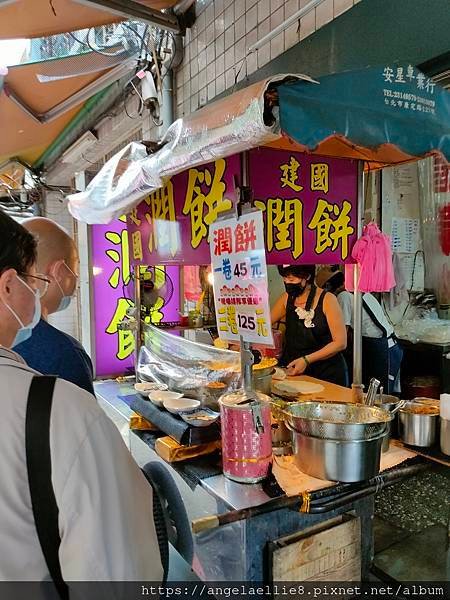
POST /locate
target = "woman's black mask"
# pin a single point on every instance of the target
(295, 289)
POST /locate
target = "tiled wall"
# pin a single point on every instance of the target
(216, 47)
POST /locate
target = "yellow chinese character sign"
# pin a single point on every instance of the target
(309, 204)
(171, 226)
(112, 250)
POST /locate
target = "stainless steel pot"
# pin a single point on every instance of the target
(445, 436)
(417, 429)
(337, 421)
(337, 460)
(262, 380)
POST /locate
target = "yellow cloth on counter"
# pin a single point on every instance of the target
(138, 423)
(171, 451)
(293, 482)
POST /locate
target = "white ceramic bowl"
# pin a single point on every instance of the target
(175, 405)
(158, 397)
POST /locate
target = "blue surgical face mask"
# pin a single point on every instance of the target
(25, 331)
(65, 300)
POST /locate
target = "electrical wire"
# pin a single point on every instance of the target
(244, 62)
(137, 34)
(100, 50)
(125, 107)
(410, 291)
(97, 49)
(141, 57)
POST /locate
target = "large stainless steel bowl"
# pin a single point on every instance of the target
(337, 421)
(337, 460)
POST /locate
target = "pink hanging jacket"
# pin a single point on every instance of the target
(374, 255)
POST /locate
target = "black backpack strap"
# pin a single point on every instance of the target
(373, 318)
(39, 466)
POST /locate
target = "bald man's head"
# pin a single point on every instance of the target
(57, 258)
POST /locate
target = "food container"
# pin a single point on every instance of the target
(391, 404)
(337, 421)
(177, 405)
(158, 397)
(445, 436)
(246, 436)
(444, 311)
(262, 380)
(337, 460)
(281, 436)
(418, 424)
(213, 391)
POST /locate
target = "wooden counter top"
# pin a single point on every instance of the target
(331, 393)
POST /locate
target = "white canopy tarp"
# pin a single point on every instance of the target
(226, 127)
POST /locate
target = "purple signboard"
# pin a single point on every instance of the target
(110, 271)
(112, 290)
(309, 204)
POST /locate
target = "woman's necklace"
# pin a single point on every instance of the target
(307, 315)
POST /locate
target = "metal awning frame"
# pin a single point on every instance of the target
(90, 90)
(134, 10)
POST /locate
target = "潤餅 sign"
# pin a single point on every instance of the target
(240, 279)
(309, 206)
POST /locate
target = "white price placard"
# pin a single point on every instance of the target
(240, 279)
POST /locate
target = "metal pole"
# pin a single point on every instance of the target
(85, 302)
(246, 354)
(167, 101)
(137, 304)
(357, 297)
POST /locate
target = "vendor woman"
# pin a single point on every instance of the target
(315, 330)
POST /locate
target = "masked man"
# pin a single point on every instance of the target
(47, 349)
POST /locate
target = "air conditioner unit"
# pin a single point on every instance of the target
(79, 147)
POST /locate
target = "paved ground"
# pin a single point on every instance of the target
(412, 528)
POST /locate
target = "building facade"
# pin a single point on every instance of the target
(234, 43)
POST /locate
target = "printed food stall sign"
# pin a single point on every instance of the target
(407, 89)
(171, 225)
(240, 279)
(112, 289)
(309, 205)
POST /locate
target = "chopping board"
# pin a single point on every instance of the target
(330, 393)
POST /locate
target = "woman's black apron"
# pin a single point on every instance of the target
(301, 341)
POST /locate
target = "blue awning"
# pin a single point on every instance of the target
(386, 112)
